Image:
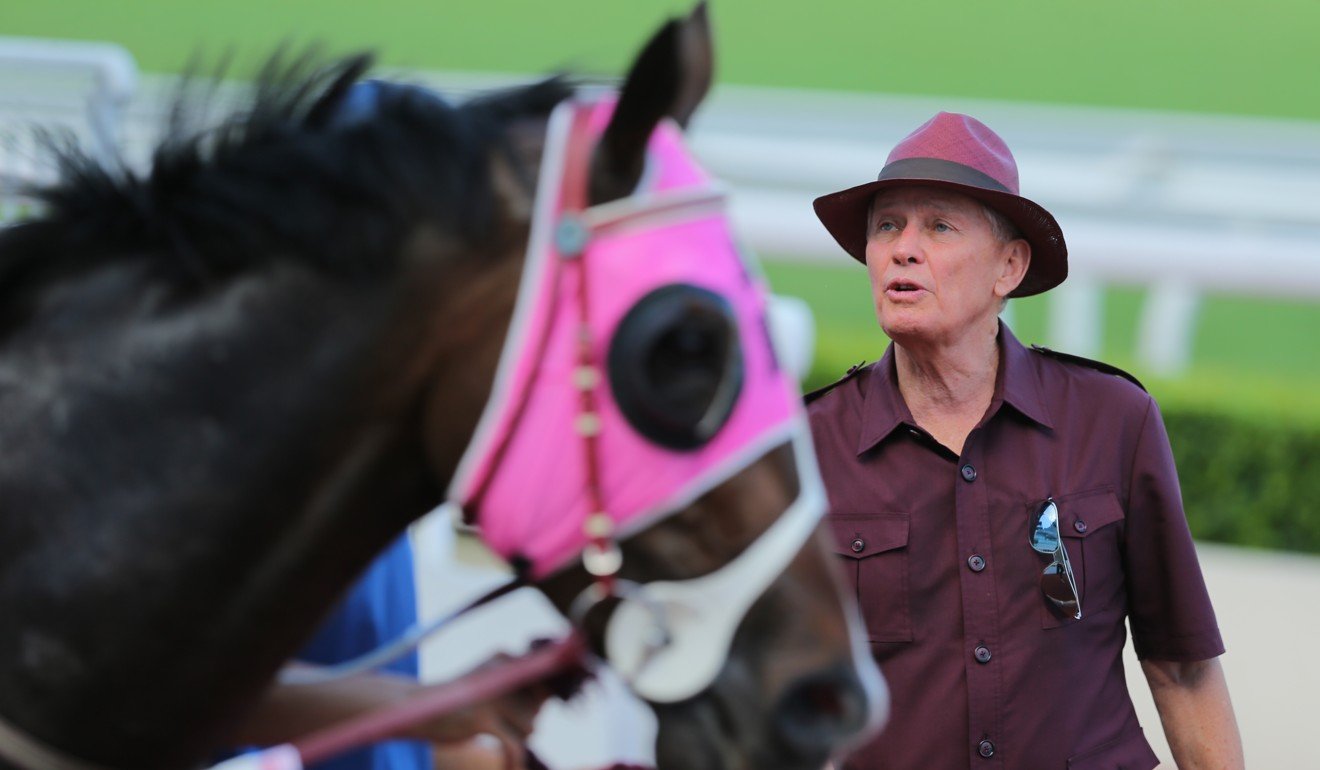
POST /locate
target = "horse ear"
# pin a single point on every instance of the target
(669, 78)
(697, 54)
(327, 105)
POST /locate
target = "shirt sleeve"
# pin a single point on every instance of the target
(1171, 615)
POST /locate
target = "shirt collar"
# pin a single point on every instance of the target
(1017, 384)
(883, 408)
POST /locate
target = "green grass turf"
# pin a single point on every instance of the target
(1210, 56)
(1253, 358)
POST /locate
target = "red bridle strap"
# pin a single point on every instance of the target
(559, 658)
(601, 558)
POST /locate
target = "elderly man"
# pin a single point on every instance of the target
(1003, 510)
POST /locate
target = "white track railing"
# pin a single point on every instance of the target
(84, 88)
(1180, 204)
(108, 73)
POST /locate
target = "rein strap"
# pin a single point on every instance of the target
(559, 658)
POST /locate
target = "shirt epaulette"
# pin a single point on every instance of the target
(852, 372)
(1100, 366)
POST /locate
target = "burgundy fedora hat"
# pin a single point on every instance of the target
(959, 153)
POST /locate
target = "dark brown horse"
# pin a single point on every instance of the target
(226, 384)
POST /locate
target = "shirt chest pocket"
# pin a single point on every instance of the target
(1091, 523)
(874, 552)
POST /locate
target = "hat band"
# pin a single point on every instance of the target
(938, 169)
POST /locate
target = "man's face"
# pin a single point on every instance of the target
(937, 268)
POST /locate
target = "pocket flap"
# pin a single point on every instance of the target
(858, 536)
(1083, 513)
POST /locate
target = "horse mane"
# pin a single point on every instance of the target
(277, 180)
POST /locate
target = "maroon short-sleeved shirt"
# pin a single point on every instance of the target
(983, 671)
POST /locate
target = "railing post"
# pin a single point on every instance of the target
(1167, 327)
(1076, 316)
(793, 328)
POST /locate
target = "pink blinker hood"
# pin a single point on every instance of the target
(524, 477)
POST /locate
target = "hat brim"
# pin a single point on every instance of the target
(844, 214)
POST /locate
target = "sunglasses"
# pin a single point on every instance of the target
(1058, 582)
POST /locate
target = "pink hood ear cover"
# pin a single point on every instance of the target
(523, 479)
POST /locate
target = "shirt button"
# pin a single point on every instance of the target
(968, 473)
(1079, 525)
(985, 749)
(975, 562)
(858, 545)
(982, 653)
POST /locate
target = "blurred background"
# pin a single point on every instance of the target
(1177, 143)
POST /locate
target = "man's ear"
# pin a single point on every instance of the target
(1016, 260)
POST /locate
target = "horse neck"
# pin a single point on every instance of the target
(187, 490)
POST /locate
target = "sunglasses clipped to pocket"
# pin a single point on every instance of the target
(1058, 582)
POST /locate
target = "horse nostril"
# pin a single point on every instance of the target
(819, 711)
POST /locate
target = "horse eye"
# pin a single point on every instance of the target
(675, 365)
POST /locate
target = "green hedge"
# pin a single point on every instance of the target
(1248, 481)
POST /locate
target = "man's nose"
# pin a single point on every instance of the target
(907, 247)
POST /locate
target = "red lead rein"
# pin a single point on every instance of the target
(562, 658)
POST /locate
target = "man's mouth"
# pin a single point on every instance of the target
(902, 286)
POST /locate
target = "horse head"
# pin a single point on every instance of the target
(226, 384)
